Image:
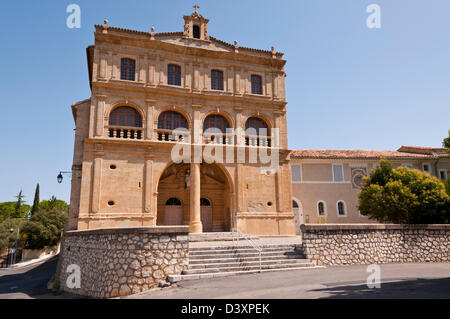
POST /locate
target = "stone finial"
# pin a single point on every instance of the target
(105, 26)
(274, 54)
(152, 33)
(236, 47)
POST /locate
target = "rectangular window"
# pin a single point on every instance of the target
(443, 174)
(338, 172)
(296, 173)
(128, 70)
(174, 75)
(256, 84)
(217, 80)
(426, 168)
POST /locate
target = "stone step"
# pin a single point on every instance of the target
(178, 278)
(245, 264)
(228, 248)
(246, 268)
(212, 237)
(239, 250)
(251, 257)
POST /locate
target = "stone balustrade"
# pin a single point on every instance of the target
(122, 132)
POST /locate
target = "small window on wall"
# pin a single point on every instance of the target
(217, 80)
(174, 75)
(426, 168)
(256, 84)
(443, 174)
(321, 208)
(338, 173)
(341, 209)
(128, 69)
(296, 173)
(196, 32)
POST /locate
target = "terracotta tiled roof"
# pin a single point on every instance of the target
(358, 154)
(438, 152)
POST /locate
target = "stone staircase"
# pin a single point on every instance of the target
(222, 261)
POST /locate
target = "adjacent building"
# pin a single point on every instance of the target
(326, 183)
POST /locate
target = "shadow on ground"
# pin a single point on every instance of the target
(406, 289)
(29, 281)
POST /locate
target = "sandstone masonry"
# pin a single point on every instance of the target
(376, 244)
(120, 262)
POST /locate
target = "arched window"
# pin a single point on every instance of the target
(172, 121)
(256, 126)
(173, 202)
(174, 75)
(125, 116)
(256, 84)
(321, 208)
(216, 122)
(196, 32)
(127, 69)
(257, 132)
(205, 202)
(217, 80)
(294, 204)
(341, 208)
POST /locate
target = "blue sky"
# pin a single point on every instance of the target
(348, 86)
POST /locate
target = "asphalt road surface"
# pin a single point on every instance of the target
(397, 281)
(27, 282)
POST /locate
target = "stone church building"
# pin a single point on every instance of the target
(144, 86)
(152, 92)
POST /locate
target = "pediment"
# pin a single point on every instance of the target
(212, 44)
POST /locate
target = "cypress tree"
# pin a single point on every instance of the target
(35, 207)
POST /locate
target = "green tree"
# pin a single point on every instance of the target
(404, 196)
(19, 204)
(54, 204)
(36, 201)
(8, 210)
(44, 228)
(7, 237)
(446, 142)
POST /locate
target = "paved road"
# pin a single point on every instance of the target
(398, 281)
(27, 282)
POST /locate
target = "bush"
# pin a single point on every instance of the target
(404, 196)
(44, 228)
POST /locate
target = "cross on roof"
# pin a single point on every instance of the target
(196, 7)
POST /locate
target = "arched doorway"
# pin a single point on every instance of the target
(216, 201)
(207, 215)
(173, 212)
(298, 216)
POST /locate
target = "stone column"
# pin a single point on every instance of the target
(97, 178)
(195, 225)
(148, 182)
(101, 100)
(149, 122)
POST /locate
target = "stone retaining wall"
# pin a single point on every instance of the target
(375, 244)
(120, 262)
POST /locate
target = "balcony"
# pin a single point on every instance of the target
(258, 141)
(172, 136)
(127, 133)
(220, 139)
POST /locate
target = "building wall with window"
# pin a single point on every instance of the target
(146, 83)
(314, 178)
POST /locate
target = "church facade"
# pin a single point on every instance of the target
(185, 129)
(153, 93)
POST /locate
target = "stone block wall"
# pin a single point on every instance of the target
(120, 262)
(375, 244)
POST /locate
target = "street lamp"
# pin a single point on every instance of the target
(60, 176)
